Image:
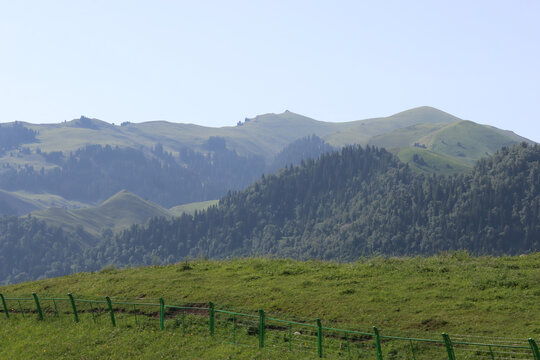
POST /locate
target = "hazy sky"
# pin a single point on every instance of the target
(216, 62)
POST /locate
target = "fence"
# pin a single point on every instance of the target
(263, 330)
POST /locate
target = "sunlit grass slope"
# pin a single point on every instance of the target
(420, 297)
(192, 207)
(453, 292)
(468, 141)
(428, 161)
(116, 213)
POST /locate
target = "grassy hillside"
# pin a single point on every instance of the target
(468, 141)
(192, 207)
(405, 137)
(265, 135)
(427, 161)
(10, 203)
(487, 298)
(117, 213)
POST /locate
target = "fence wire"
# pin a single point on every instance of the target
(257, 330)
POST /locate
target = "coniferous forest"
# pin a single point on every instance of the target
(347, 204)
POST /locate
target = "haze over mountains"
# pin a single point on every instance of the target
(84, 185)
(85, 161)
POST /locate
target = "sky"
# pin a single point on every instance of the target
(215, 63)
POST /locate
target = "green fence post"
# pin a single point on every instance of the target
(491, 353)
(449, 347)
(261, 328)
(21, 308)
(378, 343)
(319, 338)
(348, 346)
(534, 349)
(234, 330)
(211, 317)
(74, 307)
(161, 314)
(290, 335)
(111, 311)
(412, 349)
(38, 306)
(55, 308)
(135, 314)
(183, 321)
(6, 311)
(92, 312)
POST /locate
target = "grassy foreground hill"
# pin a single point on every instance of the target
(480, 298)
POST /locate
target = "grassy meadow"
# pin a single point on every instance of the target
(472, 298)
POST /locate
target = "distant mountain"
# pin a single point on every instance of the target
(85, 161)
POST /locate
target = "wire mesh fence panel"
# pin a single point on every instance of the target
(20, 307)
(303, 338)
(466, 347)
(345, 344)
(427, 350)
(278, 334)
(90, 311)
(415, 349)
(237, 328)
(188, 324)
(137, 312)
(55, 307)
(264, 331)
(188, 320)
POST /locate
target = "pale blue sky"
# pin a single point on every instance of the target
(216, 62)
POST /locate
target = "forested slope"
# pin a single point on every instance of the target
(352, 203)
(348, 204)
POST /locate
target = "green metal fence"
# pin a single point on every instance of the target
(262, 330)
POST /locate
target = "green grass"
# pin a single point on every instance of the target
(63, 339)
(264, 135)
(405, 137)
(419, 297)
(116, 213)
(432, 162)
(192, 207)
(468, 141)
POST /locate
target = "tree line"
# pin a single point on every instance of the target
(347, 204)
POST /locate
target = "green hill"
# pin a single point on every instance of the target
(265, 135)
(358, 202)
(117, 213)
(469, 141)
(13, 205)
(347, 204)
(363, 131)
(474, 299)
(192, 207)
(84, 161)
(427, 161)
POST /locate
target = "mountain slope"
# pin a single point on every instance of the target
(362, 131)
(11, 204)
(82, 162)
(116, 213)
(469, 141)
(265, 135)
(345, 205)
(354, 203)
